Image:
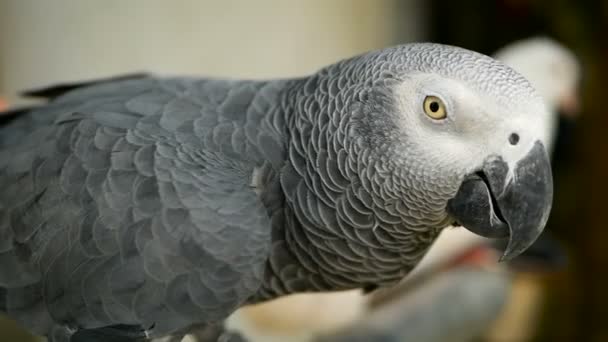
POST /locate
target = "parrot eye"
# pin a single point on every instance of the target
(434, 108)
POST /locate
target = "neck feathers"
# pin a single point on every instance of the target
(346, 223)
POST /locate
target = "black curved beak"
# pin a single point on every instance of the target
(497, 202)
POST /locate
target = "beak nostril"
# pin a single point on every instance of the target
(514, 138)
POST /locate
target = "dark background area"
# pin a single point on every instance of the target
(576, 306)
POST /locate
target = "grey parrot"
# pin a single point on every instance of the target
(142, 207)
(555, 72)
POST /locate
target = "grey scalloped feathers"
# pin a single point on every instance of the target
(147, 206)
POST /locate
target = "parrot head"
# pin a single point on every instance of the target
(457, 136)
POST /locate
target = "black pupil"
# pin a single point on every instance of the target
(434, 106)
(514, 138)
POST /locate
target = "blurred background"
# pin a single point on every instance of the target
(43, 42)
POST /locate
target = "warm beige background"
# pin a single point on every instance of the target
(48, 41)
